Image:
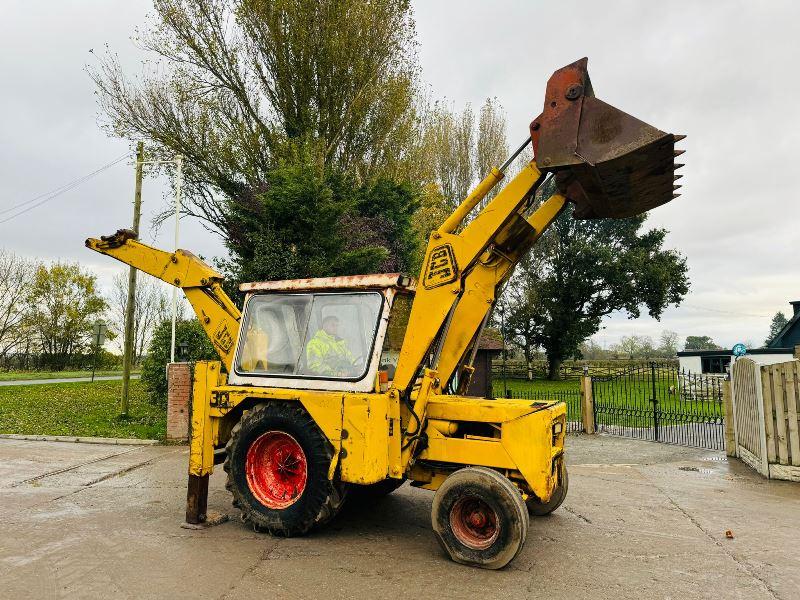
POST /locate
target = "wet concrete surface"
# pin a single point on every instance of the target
(642, 520)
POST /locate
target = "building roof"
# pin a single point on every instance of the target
(490, 339)
(727, 352)
(790, 334)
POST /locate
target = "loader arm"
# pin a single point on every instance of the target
(462, 272)
(604, 161)
(200, 283)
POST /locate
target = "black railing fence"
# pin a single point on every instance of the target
(656, 401)
(662, 403)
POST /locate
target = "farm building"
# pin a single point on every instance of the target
(780, 349)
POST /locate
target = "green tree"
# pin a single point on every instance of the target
(699, 342)
(779, 321)
(237, 79)
(63, 305)
(585, 270)
(309, 223)
(515, 317)
(154, 366)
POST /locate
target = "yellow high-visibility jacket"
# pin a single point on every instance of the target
(329, 355)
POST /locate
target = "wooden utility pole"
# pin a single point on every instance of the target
(127, 355)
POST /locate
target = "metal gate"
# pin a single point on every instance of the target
(661, 403)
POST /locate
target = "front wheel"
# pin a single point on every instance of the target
(479, 518)
(277, 462)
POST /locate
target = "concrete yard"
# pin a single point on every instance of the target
(642, 520)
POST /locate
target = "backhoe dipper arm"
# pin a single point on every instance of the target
(200, 283)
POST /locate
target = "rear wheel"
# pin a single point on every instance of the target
(540, 509)
(479, 518)
(277, 462)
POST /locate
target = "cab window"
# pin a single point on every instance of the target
(395, 333)
(321, 335)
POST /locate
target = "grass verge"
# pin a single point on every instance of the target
(79, 409)
(31, 375)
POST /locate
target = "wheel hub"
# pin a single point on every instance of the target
(474, 523)
(276, 469)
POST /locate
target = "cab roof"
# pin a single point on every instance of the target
(345, 282)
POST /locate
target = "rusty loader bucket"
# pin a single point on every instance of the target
(608, 163)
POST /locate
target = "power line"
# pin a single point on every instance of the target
(725, 312)
(55, 193)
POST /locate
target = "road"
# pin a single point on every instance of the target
(641, 520)
(65, 380)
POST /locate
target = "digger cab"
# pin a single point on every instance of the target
(329, 333)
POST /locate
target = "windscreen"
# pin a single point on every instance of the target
(310, 335)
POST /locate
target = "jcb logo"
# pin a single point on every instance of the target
(441, 268)
(223, 338)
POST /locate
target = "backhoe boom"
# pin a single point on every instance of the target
(200, 283)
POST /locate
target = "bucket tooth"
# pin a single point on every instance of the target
(678, 152)
(676, 177)
(675, 196)
(676, 187)
(678, 137)
(679, 165)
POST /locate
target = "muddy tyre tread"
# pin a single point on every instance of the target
(320, 501)
(497, 490)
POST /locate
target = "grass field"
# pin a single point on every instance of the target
(29, 375)
(623, 401)
(79, 409)
(534, 387)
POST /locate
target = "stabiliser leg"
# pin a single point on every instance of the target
(197, 499)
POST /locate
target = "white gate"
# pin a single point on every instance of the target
(766, 417)
(748, 411)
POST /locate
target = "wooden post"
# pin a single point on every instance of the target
(127, 355)
(730, 420)
(587, 404)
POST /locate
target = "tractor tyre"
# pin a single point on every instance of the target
(540, 509)
(479, 518)
(277, 461)
(373, 492)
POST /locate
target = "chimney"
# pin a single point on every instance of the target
(795, 306)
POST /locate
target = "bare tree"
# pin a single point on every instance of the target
(151, 306)
(16, 279)
(668, 343)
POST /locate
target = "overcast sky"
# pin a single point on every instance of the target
(724, 73)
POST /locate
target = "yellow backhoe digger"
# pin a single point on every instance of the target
(343, 386)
